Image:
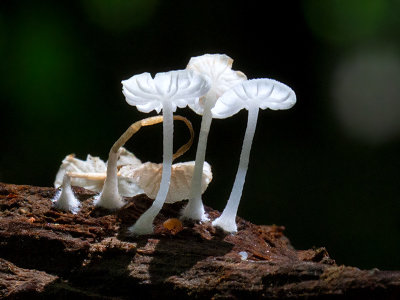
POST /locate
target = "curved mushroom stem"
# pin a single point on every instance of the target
(152, 121)
(227, 220)
(144, 225)
(194, 209)
(109, 197)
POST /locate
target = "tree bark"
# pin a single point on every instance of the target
(47, 253)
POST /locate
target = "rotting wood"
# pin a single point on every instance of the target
(46, 253)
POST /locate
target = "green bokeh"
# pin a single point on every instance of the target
(42, 66)
(2, 35)
(120, 15)
(341, 21)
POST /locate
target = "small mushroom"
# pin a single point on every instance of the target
(65, 199)
(166, 91)
(251, 95)
(218, 69)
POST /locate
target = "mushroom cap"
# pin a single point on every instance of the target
(265, 93)
(179, 87)
(218, 68)
(148, 178)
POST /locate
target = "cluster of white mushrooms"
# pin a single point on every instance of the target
(212, 89)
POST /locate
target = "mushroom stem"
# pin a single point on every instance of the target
(194, 209)
(228, 217)
(144, 225)
(109, 197)
(133, 129)
(89, 176)
(66, 200)
(152, 121)
(168, 129)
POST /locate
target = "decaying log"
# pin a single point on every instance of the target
(47, 253)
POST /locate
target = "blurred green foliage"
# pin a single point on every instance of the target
(43, 61)
(62, 63)
(346, 21)
(120, 15)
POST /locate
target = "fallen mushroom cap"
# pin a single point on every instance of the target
(127, 158)
(179, 87)
(148, 178)
(218, 68)
(92, 164)
(264, 93)
(95, 166)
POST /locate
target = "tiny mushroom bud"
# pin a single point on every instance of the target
(65, 199)
(251, 95)
(218, 69)
(166, 91)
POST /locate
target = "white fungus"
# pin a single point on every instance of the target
(166, 91)
(251, 95)
(65, 199)
(218, 69)
(110, 197)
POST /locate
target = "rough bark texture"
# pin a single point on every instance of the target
(47, 253)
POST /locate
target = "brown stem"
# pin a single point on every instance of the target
(135, 127)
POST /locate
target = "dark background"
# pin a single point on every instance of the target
(328, 169)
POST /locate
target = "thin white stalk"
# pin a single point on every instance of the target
(227, 220)
(109, 197)
(144, 225)
(66, 200)
(195, 209)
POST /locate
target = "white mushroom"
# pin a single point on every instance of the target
(65, 199)
(251, 95)
(166, 91)
(218, 68)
